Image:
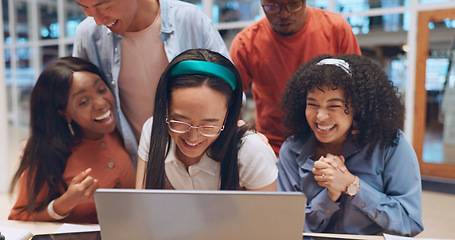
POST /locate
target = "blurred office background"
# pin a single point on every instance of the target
(411, 39)
(37, 32)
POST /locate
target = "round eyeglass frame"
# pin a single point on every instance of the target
(191, 126)
(276, 8)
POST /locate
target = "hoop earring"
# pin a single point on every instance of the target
(71, 129)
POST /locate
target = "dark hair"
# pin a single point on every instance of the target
(225, 148)
(378, 110)
(49, 144)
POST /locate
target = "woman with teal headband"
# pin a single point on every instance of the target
(192, 142)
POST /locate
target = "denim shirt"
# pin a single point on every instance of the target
(389, 198)
(183, 27)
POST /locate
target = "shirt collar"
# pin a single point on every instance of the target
(303, 145)
(350, 148)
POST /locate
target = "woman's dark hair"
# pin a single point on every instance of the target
(49, 144)
(378, 110)
(225, 148)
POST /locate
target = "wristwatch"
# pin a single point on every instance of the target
(353, 188)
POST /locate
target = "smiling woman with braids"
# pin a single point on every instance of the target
(346, 149)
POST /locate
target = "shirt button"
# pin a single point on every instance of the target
(362, 204)
(113, 82)
(102, 144)
(116, 49)
(111, 165)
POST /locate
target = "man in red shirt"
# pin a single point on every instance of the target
(269, 51)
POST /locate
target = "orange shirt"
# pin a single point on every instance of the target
(110, 164)
(267, 60)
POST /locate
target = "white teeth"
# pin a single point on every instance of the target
(111, 25)
(191, 144)
(107, 114)
(326, 128)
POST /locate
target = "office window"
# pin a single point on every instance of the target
(31, 31)
(5, 18)
(434, 1)
(363, 5)
(19, 83)
(48, 23)
(324, 4)
(73, 16)
(23, 19)
(49, 54)
(231, 11)
(437, 76)
(397, 73)
(37, 32)
(364, 24)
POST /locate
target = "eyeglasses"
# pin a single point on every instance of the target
(276, 8)
(183, 127)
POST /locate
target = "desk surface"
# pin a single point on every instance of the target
(33, 227)
(51, 227)
(344, 236)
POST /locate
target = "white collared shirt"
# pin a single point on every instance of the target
(257, 166)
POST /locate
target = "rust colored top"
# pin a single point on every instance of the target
(110, 164)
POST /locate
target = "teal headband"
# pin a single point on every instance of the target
(204, 68)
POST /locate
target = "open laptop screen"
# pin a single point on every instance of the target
(199, 215)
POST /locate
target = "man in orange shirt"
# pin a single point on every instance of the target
(269, 51)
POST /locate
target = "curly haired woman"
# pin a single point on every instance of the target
(346, 149)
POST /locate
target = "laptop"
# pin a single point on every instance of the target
(199, 215)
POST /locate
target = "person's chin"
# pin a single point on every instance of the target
(118, 32)
(192, 154)
(284, 28)
(285, 32)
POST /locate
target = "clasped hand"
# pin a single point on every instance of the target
(330, 172)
